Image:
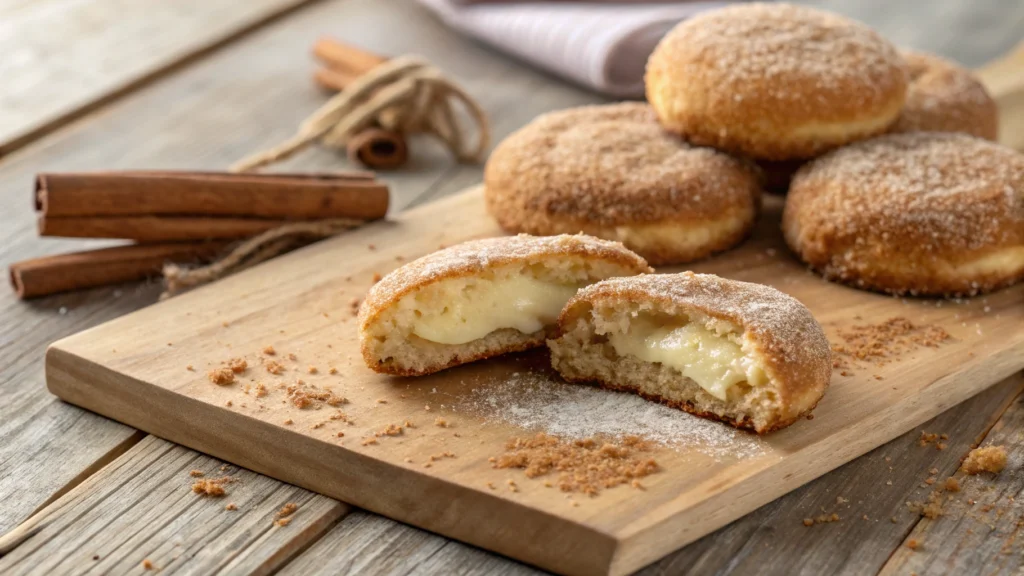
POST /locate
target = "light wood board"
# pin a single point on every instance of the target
(134, 370)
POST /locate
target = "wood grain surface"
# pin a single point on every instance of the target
(65, 57)
(298, 304)
(47, 447)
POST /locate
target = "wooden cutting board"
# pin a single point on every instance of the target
(136, 369)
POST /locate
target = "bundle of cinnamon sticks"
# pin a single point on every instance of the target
(342, 64)
(175, 217)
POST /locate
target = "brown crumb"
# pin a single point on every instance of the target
(196, 473)
(391, 430)
(238, 365)
(95, 556)
(376, 277)
(808, 521)
(914, 544)
(933, 471)
(261, 391)
(586, 466)
(368, 441)
(441, 422)
(952, 485)
(289, 422)
(341, 434)
(987, 459)
(930, 480)
(312, 370)
(147, 564)
(943, 436)
(292, 356)
(940, 446)
(230, 506)
(883, 342)
(269, 350)
(282, 522)
(332, 371)
(214, 487)
(190, 368)
(303, 396)
(221, 376)
(381, 401)
(274, 367)
(927, 438)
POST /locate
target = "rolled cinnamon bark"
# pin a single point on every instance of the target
(378, 149)
(211, 194)
(345, 57)
(91, 268)
(154, 228)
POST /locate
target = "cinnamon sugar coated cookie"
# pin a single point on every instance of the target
(612, 172)
(775, 81)
(480, 299)
(918, 213)
(746, 354)
(945, 97)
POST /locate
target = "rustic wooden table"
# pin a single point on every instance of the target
(200, 83)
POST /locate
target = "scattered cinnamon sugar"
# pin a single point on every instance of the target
(332, 371)
(261, 390)
(196, 473)
(147, 564)
(312, 370)
(987, 459)
(230, 506)
(952, 484)
(238, 365)
(221, 376)
(914, 544)
(391, 430)
(303, 396)
(586, 465)
(932, 508)
(292, 356)
(408, 424)
(881, 343)
(439, 421)
(213, 487)
(269, 350)
(274, 367)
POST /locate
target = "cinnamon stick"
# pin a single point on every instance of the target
(77, 270)
(378, 148)
(210, 194)
(345, 57)
(154, 228)
(333, 79)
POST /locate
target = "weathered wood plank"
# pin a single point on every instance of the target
(141, 507)
(772, 540)
(969, 536)
(203, 116)
(64, 57)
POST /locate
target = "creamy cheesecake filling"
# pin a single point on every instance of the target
(715, 362)
(473, 310)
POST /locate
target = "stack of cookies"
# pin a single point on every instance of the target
(894, 183)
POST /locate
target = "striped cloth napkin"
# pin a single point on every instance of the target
(600, 45)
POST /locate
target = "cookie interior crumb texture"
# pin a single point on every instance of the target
(742, 353)
(480, 298)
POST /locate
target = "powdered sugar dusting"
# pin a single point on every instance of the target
(537, 401)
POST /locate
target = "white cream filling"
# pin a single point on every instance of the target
(467, 312)
(713, 361)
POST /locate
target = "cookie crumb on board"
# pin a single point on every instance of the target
(230, 506)
(588, 465)
(221, 376)
(238, 365)
(147, 564)
(987, 459)
(196, 473)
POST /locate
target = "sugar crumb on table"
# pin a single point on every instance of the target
(988, 459)
(147, 564)
(238, 365)
(269, 351)
(221, 376)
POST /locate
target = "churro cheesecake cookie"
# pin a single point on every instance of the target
(775, 81)
(946, 97)
(925, 213)
(480, 299)
(743, 353)
(611, 171)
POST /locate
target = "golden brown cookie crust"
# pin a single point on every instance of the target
(611, 171)
(914, 213)
(945, 97)
(791, 344)
(775, 81)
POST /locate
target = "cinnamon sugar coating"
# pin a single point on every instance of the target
(919, 213)
(945, 97)
(775, 81)
(611, 171)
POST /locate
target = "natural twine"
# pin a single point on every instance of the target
(405, 94)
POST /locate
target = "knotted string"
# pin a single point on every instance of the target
(405, 94)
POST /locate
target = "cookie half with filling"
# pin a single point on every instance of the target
(742, 353)
(481, 299)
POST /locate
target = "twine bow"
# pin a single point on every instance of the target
(405, 94)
